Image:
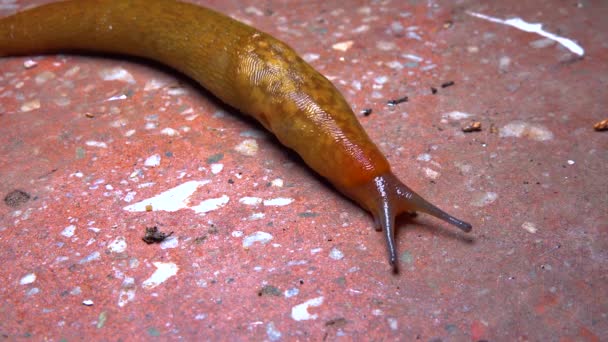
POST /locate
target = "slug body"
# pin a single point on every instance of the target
(247, 69)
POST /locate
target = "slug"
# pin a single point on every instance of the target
(247, 69)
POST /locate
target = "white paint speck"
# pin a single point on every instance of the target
(28, 279)
(91, 257)
(430, 173)
(117, 97)
(300, 311)
(336, 254)
(237, 233)
(153, 160)
(278, 182)
(413, 58)
(116, 74)
(119, 245)
(529, 227)
(535, 28)
(130, 196)
(169, 132)
(154, 84)
(68, 231)
(311, 57)
(200, 317)
(503, 63)
(77, 174)
(171, 200)
(361, 29)
(316, 250)
(170, 242)
(343, 46)
(164, 271)
(570, 162)
(291, 292)
(386, 46)
(210, 204)
(30, 105)
(32, 291)
(254, 10)
(272, 332)
(279, 201)
(424, 157)
(381, 79)
(99, 144)
(520, 129)
(248, 147)
(455, 115)
(88, 302)
(216, 168)
(394, 65)
(484, 198)
(261, 237)
(127, 291)
(30, 63)
(393, 324)
(256, 216)
(250, 200)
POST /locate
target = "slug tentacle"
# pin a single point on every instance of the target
(420, 204)
(391, 198)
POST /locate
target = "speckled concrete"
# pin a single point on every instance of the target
(262, 249)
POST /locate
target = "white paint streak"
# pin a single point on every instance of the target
(261, 237)
(279, 201)
(210, 204)
(99, 144)
(250, 200)
(455, 115)
(534, 28)
(171, 200)
(117, 97)
(300, 311)
(164, 271)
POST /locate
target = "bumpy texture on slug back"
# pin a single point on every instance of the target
(248, 69)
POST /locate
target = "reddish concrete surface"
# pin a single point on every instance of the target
(262, 249)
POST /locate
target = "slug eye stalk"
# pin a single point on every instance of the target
(394, 198)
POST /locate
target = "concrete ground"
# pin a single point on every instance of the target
(94, 150)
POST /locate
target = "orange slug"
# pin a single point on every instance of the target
(247, 69)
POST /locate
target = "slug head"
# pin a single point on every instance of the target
(386, 197)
